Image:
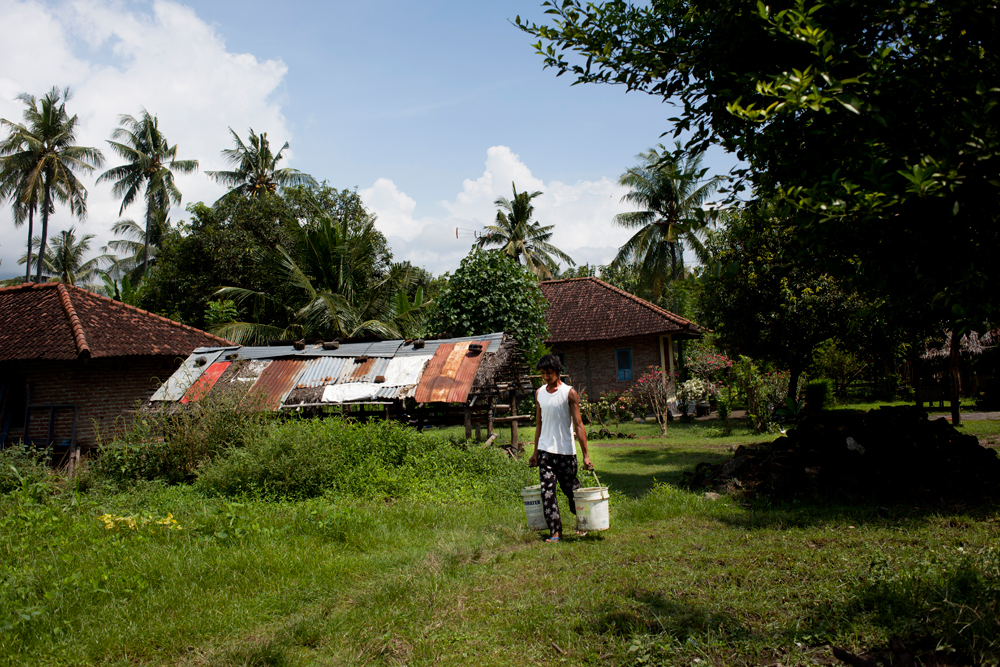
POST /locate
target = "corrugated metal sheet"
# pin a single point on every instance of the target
(491, 343)
(371, 369)
(405, 370)
(350, 391)
(275, 382)
(385, 348)
(396, 393)
(178, 383)
(251, 370)
(203, 350)
(432, 372)
(204, 384)
(320, 371)
(362, 370)
(347, 350)
(465, 376)
(442, 371)
(267, 352)
(449, 374)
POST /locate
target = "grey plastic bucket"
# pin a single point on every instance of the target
(532, 497)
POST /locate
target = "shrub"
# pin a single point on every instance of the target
(308, 458)
(20, 466)
(819, 394)
(652, 389)
(725, 410)
(171, 447)
(491, 292)
(705, 363)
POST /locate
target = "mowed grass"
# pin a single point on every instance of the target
(679, 579)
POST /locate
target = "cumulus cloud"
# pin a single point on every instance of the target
(168, 61)
(581, 212)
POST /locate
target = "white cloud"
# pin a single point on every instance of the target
(581, 213)
(394, 208)
(168, 61)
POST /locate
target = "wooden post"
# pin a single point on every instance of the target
(671, 382)
(468, 423)
(513, 424)
(955, 375)
(489, 418)
(918, 383)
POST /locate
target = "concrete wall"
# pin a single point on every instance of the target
(105, 391)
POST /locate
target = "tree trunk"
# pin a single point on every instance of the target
(956, 378)
(45, 232)
(794, 373)
(145, 248)
(31, 230)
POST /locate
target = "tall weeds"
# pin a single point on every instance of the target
(171, 446)
(307, 458)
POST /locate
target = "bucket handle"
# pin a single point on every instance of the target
(593, 471)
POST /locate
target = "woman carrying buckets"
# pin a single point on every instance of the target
(557, 415)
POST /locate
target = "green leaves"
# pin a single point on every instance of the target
(490, 293)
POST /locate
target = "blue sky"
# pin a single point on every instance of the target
(430, 109)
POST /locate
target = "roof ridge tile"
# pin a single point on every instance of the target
(79, 338)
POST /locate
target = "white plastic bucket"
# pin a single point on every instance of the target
(592, 508)
(532, 496)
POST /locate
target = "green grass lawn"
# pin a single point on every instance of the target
(678, 580)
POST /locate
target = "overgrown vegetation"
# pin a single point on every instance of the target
(378, 460)
(385, 567)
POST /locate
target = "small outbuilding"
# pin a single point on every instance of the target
(73, 363)
(606, 337)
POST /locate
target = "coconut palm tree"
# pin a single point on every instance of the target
(136, 249)
(256, 168)
(150, 167)
(671, 194)
(66, 261)
(13, 186)
(521, 238)
(40, 157)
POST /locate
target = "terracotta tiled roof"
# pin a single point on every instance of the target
(56, 321)
(591, 309)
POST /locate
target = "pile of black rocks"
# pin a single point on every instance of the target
(886, 453)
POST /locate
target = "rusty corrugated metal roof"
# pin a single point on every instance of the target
(449, 375)
(464, 376)
(361, 370)
(204, 384)
(321, 371)
(277, 380)
(185, 376)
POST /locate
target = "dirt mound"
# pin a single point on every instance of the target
(888, 452)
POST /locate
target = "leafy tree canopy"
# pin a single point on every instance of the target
(763, 306)
(876, 119)
(490, 292)
(225, 244)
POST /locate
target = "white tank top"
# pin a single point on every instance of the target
(557, 425)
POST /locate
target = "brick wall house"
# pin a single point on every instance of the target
(73, 362)
(607, 337)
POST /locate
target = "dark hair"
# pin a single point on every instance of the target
(549, 362)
